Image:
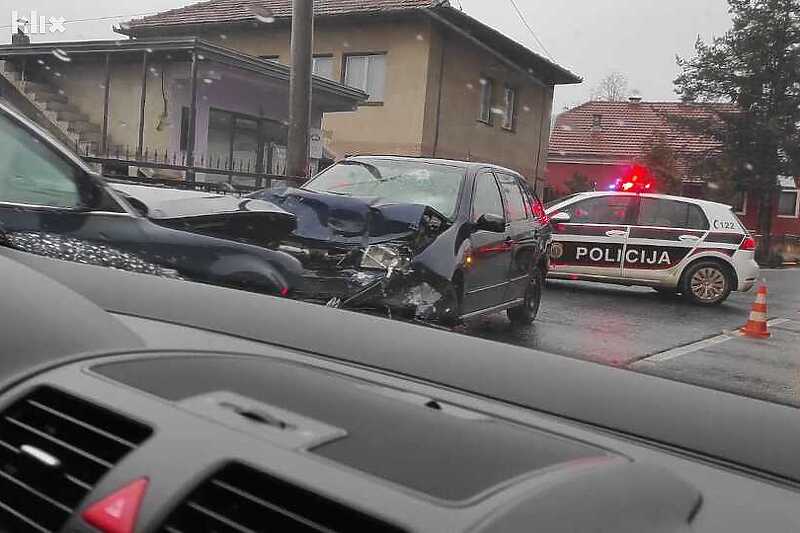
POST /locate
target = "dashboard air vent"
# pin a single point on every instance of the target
(238, 498)
(54, 448)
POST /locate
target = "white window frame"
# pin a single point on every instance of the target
(743, 211)
(485, 110)
(510, 115)
(365, 81)
(323, 56)
(796, 203)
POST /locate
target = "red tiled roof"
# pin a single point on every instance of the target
(628, 129)
(226, 11)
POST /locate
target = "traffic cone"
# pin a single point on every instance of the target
(757, 325)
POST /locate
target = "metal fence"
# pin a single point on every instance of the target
(172, 168)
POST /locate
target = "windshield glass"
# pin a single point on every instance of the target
(608, 183)
(396, 181)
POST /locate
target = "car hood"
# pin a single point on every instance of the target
(225, 216)
(325, 218)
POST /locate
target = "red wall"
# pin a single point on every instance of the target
(780, 225)
(558, 174)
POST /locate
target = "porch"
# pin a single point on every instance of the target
(175, 109)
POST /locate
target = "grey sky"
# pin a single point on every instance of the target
(638, 38)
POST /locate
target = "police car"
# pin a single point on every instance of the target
(673, 244)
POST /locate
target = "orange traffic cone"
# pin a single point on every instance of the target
(757, 325)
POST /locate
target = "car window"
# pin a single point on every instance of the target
(31, 173)
(515, 203)
(396, 181)
(487, 200)
(670, 214)
(600, 210)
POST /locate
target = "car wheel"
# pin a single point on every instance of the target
(525, 314)
(707, 283)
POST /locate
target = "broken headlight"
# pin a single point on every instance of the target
(384, 257)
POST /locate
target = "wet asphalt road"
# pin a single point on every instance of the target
(634, 327)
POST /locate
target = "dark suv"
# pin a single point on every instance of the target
(428, 239)
(51, 204)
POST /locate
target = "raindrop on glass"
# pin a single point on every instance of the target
(262, 14)
(713, 185)
(62, 55)
(57, 74)
(420, 37)
(498, 111)
(122, 123)
(748, 166)
(201, 57)
(223, 36)
(61, 92)
(148, 50)
(526, 108)
(208, 81)
(40, 61)
(47, 67)
(566, 127)
(346, 44)
(483, 81)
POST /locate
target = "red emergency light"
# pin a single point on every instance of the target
(637, 178)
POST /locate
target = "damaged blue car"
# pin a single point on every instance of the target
(428, 239)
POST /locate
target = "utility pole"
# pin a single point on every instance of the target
(297, 161)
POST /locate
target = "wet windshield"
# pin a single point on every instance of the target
(434, 185)
(614, 182)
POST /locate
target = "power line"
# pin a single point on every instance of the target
(97, 19)
(530, 29)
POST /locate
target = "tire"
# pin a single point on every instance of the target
(525, 314)
(707, 283)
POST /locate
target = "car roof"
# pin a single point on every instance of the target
(434, 160)
(705, 203)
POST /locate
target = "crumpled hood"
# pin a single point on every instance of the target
(346, 220)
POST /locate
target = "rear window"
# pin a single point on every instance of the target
(671, 214)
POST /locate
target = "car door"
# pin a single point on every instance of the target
(522, 233)
(486, 277)
(664, 235)
(593, 241)
(42, 191)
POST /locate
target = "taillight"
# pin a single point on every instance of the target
(538, 212)
(748, 245)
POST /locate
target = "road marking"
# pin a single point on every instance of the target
(684, 350)
(701, 345)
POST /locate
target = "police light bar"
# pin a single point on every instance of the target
(636, 178)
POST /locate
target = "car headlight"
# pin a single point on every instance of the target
(384, 257)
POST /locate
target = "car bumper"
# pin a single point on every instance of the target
(409, 294)
(747, 271)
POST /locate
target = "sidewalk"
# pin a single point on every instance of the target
(763, 368)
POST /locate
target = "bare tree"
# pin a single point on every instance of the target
(612, 88)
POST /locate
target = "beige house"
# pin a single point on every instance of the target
(440, 83)
(166, 108)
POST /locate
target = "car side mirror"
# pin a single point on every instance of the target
(489, 222)
(561, 217)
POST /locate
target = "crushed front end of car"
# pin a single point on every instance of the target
(364, 255)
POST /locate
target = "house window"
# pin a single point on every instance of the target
(323, 66)
(487, 88)
(788, 204)
(510, 118)
(185, 116)
(368, 73)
